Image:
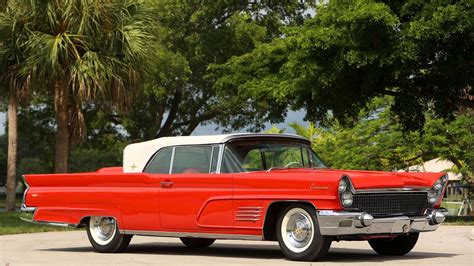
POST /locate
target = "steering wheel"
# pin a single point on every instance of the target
(292, 163)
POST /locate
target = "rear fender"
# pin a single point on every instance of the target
(75, 213)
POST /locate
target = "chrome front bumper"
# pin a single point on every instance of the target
(361, 223)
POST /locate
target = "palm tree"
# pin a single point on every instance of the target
(83, 50)
(14, 22)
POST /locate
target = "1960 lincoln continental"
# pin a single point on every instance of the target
(270, 187)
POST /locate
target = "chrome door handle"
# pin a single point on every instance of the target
(166, 184)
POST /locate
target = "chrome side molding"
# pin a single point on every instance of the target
(28, 213)
(191, 234)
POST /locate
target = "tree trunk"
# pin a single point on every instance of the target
(12, 150)
(61, 104)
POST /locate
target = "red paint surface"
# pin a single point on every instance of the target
(192, 202)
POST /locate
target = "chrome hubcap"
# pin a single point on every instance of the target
(299, 230)
(104, 228)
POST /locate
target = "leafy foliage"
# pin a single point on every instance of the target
(193, 35)
(420, 52)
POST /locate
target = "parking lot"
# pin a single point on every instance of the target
(450, 245)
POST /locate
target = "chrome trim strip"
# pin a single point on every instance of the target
(247, 219)
(26, 190)
(55, 224)
(190, 234)
(220, 158)
(172, 160)
(250, 208)
(388, 190)
(267, 135)
(210, 161)
(28, 213)
(254, 215)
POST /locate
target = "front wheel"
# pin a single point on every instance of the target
(104, 235)
(397, 246)
(197, 243)
(298, 234)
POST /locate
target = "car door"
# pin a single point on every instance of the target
(193, 196)
(157, 169)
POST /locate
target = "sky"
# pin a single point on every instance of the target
(210, 129)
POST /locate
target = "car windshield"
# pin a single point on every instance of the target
(258, 155)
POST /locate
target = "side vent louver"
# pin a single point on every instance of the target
(249, 214)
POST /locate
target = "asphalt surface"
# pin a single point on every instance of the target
(449, 245)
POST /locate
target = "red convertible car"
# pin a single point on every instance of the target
(269, 187)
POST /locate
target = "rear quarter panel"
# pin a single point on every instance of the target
(67, 198)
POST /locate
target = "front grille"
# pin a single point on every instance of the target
(380, 204)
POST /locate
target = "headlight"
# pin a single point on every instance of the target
(342, 185)
(346, 199)
(345, 192)
(436, 191)
(432, 197)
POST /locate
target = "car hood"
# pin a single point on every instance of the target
(374, 179)
(377, 179)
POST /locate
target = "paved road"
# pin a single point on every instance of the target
(450, 245)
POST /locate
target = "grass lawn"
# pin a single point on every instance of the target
(10, 223)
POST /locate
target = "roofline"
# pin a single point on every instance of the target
(266, 135)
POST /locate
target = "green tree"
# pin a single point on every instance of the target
(86, 50)
(180, 95)
(14, 83)
(419, 52)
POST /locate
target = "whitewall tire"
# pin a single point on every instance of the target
(298, 234)
(104, 235)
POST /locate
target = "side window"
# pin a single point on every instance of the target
(316, 161)
(304, 155)
(231, 162)
(160, 163)
(191, 159)
(253, 161)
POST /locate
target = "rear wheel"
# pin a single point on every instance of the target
(397, 246)
(197, 243)
(104, 235)
(298, 234)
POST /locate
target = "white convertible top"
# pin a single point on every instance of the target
(137, 155)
